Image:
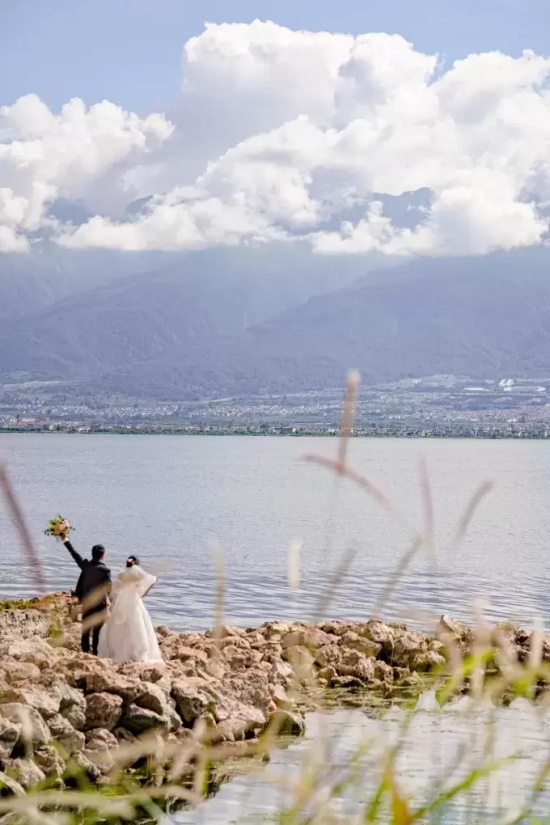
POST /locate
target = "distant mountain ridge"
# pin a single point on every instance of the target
(213, 325)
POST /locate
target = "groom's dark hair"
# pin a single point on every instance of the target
(98, 551)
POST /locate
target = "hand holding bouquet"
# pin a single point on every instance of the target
(58, 527)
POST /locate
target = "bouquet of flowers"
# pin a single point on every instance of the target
(58, 527)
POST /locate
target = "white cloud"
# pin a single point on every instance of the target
(281, 134)
(44, 156)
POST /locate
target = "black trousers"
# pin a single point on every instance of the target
(92, 622)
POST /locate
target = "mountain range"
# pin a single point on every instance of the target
(248, 321)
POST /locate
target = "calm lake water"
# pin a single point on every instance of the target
(176, 501)
(179, 501)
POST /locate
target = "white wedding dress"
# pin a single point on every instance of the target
(128, 634)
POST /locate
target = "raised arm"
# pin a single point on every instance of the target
(76, 556)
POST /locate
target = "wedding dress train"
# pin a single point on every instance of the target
(128, 634)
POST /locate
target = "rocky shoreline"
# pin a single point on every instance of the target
(64, 713)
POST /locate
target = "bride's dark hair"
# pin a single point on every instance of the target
(131, 561)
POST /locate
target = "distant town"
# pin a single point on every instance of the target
(436, 407)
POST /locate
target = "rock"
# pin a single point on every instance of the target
(76, 715)
(407, 646)
(301, 661)
(224, 631)
(138, 720)
(285, 723)
(63, 732)
(47, 704)
(352, 682)
(275, 630)
(33, 650)
(281, 672)
(25, 772)
(357, 665)
(379, 633)
(99, 746)
(34, 730)
(22, 672)
(311, 638)
(452, 631)
(103, 710)
(49, 761)
(215, 668)
(24, 624)
(109, 681)
(383, 672)
(329, 656)
(147, 672)
(152, 697)
(9, 787)
(337, 627)
(100, 737)
(328, 675)
(190, 702)
(361, 643)
(281, 698)
(124, 736)
(10, 733)
(70, 697)
(82, 764)
(426, 660)
(245, 721)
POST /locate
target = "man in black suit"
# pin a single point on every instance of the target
(92, 592)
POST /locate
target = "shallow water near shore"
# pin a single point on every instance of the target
(440, 748)
(172, 499)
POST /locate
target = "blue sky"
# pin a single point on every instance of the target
(129, 50)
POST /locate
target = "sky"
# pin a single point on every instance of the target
(250, 132)
(129, 51)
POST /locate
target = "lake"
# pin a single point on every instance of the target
(180, 501)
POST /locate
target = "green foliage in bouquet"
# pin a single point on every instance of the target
(58, 527)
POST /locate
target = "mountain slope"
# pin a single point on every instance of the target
(474, 316)
(129, 321)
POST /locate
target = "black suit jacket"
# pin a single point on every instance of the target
(94, 582)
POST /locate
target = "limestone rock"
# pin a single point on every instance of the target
(453, 631)
(361, 643)
(190, 702)
(76, 715)
(152, 697)
(281, 698)
(407, 647)
(301, 661)
(10, 733)
(63, 732)
(46, 703)
(138, 720)
(311, 638)
(22, 672)
(355, 664)
(285, 723)
(426, 660)
(34, 730)
(103, 710)
(9, 787)
(109, 681)
(83, 764)
(49, 761)
(25, 772)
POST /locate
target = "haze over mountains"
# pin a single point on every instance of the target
(247, 321)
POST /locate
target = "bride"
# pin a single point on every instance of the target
(128, 635)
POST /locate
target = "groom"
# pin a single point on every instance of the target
(92, 592)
